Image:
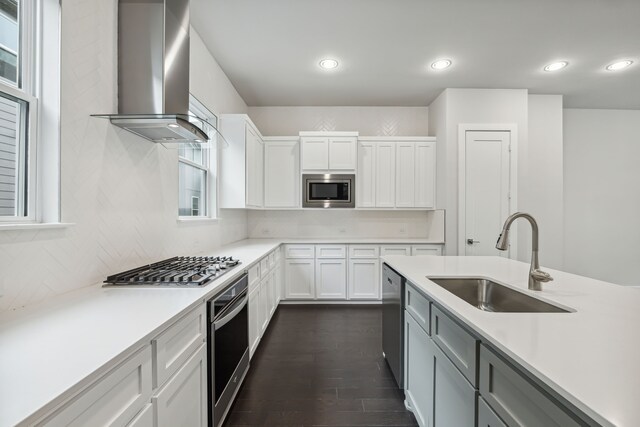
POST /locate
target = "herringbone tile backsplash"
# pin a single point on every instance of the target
(119, 190)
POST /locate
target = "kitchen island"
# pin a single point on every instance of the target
(585, 359)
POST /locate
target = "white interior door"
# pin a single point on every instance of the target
(487, 159)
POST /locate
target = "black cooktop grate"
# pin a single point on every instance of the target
(176, 271)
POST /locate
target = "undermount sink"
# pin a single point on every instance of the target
(487, 295)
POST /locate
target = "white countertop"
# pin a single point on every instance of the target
(50, 351)
(590, 357)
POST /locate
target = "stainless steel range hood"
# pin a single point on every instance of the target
(153, 73)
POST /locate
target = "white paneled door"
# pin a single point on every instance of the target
(487, 183)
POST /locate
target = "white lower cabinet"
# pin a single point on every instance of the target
(437, 392)
(254, 319)
(331, 279)
(299, 278)
(114, 400)
(182, 401)
(395, 250)
(144, 418)
(263, 306)
(364, 280)
(426, 250)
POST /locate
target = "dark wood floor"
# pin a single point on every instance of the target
(321, 366)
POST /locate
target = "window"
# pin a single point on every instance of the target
(197, 172)
(26, 112)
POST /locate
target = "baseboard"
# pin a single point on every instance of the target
(333, 302)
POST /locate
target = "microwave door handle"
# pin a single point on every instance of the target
(232, 312)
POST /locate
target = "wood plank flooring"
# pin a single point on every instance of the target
(321, 365)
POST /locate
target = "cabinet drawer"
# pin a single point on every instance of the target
(515, 399)
(418, 306)
(458, 344)
(364, 251)
(114, 400)
(395, 250)
(300, 251)
(254, 276)
(175, 345)
(486, 416)
(331, 251)
(426, 250)
(264, 267)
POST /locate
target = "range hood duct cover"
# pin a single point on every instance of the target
(153, 73)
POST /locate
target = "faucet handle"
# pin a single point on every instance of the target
(541, 276)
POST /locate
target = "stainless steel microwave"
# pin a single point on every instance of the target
(328, 191)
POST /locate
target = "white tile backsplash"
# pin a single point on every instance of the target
(337, 223)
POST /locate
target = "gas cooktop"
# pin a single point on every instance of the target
(175, 272)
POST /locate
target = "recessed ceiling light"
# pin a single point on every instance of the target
(328, 64)
(556, 66)
(620, 65)
(441, 64)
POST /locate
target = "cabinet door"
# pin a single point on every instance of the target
(254, 319)
(315, 153)
(385, 175)
(263, 306)
(364, 282)
(366, 180)
(279, 283)
(425, 173)
(405, 175)
(183, 400)
(144, 418)
(331, 279)
(299, 278)
(255, 168)
(342, 153)
(486, 416)
(454, 401)
(281, 174)
(418, 371)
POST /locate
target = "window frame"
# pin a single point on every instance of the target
(41, 93)
(211, 169)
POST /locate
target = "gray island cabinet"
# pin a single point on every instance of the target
(453, 379)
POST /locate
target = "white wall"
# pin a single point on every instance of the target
(602, 200)
(542, 189)
(119, 190)
(369, 121)
(337, 223)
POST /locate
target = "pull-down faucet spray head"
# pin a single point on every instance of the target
(503, 240)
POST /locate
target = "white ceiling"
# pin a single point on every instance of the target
(270, 49)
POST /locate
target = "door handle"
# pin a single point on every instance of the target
(471, 241)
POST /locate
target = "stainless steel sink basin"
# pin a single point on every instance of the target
(487, 295)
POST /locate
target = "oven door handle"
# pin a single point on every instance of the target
(231, 312)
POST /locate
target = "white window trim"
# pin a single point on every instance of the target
(42, 91)
(211, 185)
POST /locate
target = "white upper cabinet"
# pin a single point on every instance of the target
(241, 166)
(366, 188)
(405, 175)
(315, 153)
(342, 153)
(385, 174)
(329, 151)
(425, 188)
(281, 173)
(396, 173)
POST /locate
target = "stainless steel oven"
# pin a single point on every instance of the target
(228, 346)
(328, 191)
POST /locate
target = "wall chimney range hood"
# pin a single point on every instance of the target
(153, 74)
